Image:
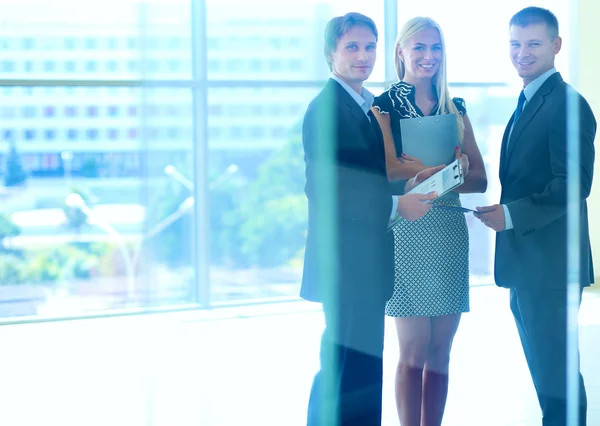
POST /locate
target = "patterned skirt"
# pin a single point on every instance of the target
(431, 257)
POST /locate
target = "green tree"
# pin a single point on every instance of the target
(275, 210)
(172, 245)
(11, 261)
(7, 229)
(226, 197)
(14, 174)
(60, 263)
(260, 221)
(12, 271)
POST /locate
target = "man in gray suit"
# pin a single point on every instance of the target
(531, 219)
(349, 256)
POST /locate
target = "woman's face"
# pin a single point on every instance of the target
(422, 55)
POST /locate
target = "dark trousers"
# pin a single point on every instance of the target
(541, 318)
(347, 389)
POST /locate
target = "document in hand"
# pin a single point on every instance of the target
(442, 182)
(432, 139)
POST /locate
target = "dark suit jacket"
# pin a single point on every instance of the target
(533, 174)
(349, 253)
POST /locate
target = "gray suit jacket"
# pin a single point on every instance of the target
(533, 174)
(349, 254)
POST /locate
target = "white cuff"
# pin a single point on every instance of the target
(394, 207)
(507, 219)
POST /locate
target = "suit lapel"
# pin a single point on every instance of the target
(503, 150)
(355, 114)
(378, 140)
(356, 120)
(528, 114)
(363, 121)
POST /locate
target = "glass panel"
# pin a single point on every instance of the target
(264, 41)
(81, 40)
(90, 219)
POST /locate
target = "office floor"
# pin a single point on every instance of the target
(251, 366)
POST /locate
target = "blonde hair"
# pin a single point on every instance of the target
(446, 106)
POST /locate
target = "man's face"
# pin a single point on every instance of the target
(354, 56)
(532, 50)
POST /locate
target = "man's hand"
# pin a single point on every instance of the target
(421, 176)
(413, 206)
(492, 217)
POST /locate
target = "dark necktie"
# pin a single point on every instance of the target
(520, 104)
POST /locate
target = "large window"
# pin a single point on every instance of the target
(152, 157)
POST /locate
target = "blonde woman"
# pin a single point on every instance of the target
(431, 254)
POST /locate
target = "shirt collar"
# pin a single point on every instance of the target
(534, 86)
(364, 100)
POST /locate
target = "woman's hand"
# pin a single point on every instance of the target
(407, 159)
(465, 161)
(421, 176)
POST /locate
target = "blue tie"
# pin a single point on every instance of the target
(520, 104)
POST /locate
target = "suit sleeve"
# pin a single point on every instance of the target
(334, 182)
(538, 210)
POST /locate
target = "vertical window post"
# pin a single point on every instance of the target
(200, 152)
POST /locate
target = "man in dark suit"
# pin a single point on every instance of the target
(531, 222)
(348, 264)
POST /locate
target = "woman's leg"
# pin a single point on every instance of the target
(435, 377)
(414, 338)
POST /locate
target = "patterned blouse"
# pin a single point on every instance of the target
(399, 102)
